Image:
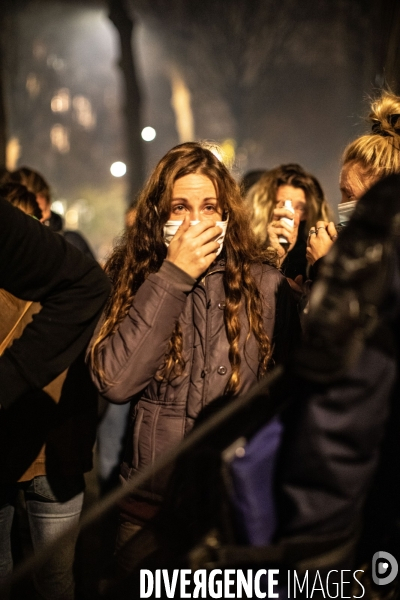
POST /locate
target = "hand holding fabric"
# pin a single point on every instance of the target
(320, 240)
(278, 228)
(193, 249)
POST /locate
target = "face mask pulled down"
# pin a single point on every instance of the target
(171, 227)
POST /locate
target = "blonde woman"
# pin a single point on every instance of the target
(266, 202)
(365, 161)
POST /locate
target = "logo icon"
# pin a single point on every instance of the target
(384, 564)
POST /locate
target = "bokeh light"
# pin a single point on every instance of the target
(118, 169)
(148, 134)
(58, 207)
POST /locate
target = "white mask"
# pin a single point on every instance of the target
(171, 227)
(345, 210)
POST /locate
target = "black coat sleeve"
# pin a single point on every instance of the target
(332, 445)
(287, 330)
(38, 265)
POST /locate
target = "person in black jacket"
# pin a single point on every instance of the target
(37, 184)
(37, 265)
(339, 476)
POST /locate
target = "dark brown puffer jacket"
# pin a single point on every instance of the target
(164, 412)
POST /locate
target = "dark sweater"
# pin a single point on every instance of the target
(296, 262)
(38, 265)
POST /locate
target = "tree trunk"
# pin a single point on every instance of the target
(385, 40)
(3, 117)
(124, 24)
(392, 63)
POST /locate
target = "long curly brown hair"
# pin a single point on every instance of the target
(142, 250)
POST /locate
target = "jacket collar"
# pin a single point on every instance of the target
(217, 266)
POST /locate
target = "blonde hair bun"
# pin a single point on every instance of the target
(377, 153)
(385, 115)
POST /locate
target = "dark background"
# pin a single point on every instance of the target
(272, 80)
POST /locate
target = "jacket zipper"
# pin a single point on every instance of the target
(205, 365)
(206, 369)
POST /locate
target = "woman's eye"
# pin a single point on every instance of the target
(210, 208)
(349, 195)
(178, 208)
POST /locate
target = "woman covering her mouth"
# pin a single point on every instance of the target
(197, 312)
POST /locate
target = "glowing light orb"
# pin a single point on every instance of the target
(148, 134)
(118, 169)
(58, 207)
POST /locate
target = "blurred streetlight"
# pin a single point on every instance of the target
(58, 207)
(118, 169)
(148, 134)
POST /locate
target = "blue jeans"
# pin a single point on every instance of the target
(49, 514)
(110, 443)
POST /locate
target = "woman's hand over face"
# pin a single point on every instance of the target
(320, 240)
(279, 228)
(193, 248)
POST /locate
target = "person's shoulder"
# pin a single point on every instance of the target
(76, 239)
(7, 209)
(55, 222)
(268, 276)
(268, 272)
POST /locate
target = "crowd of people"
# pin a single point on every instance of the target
(206, 293)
